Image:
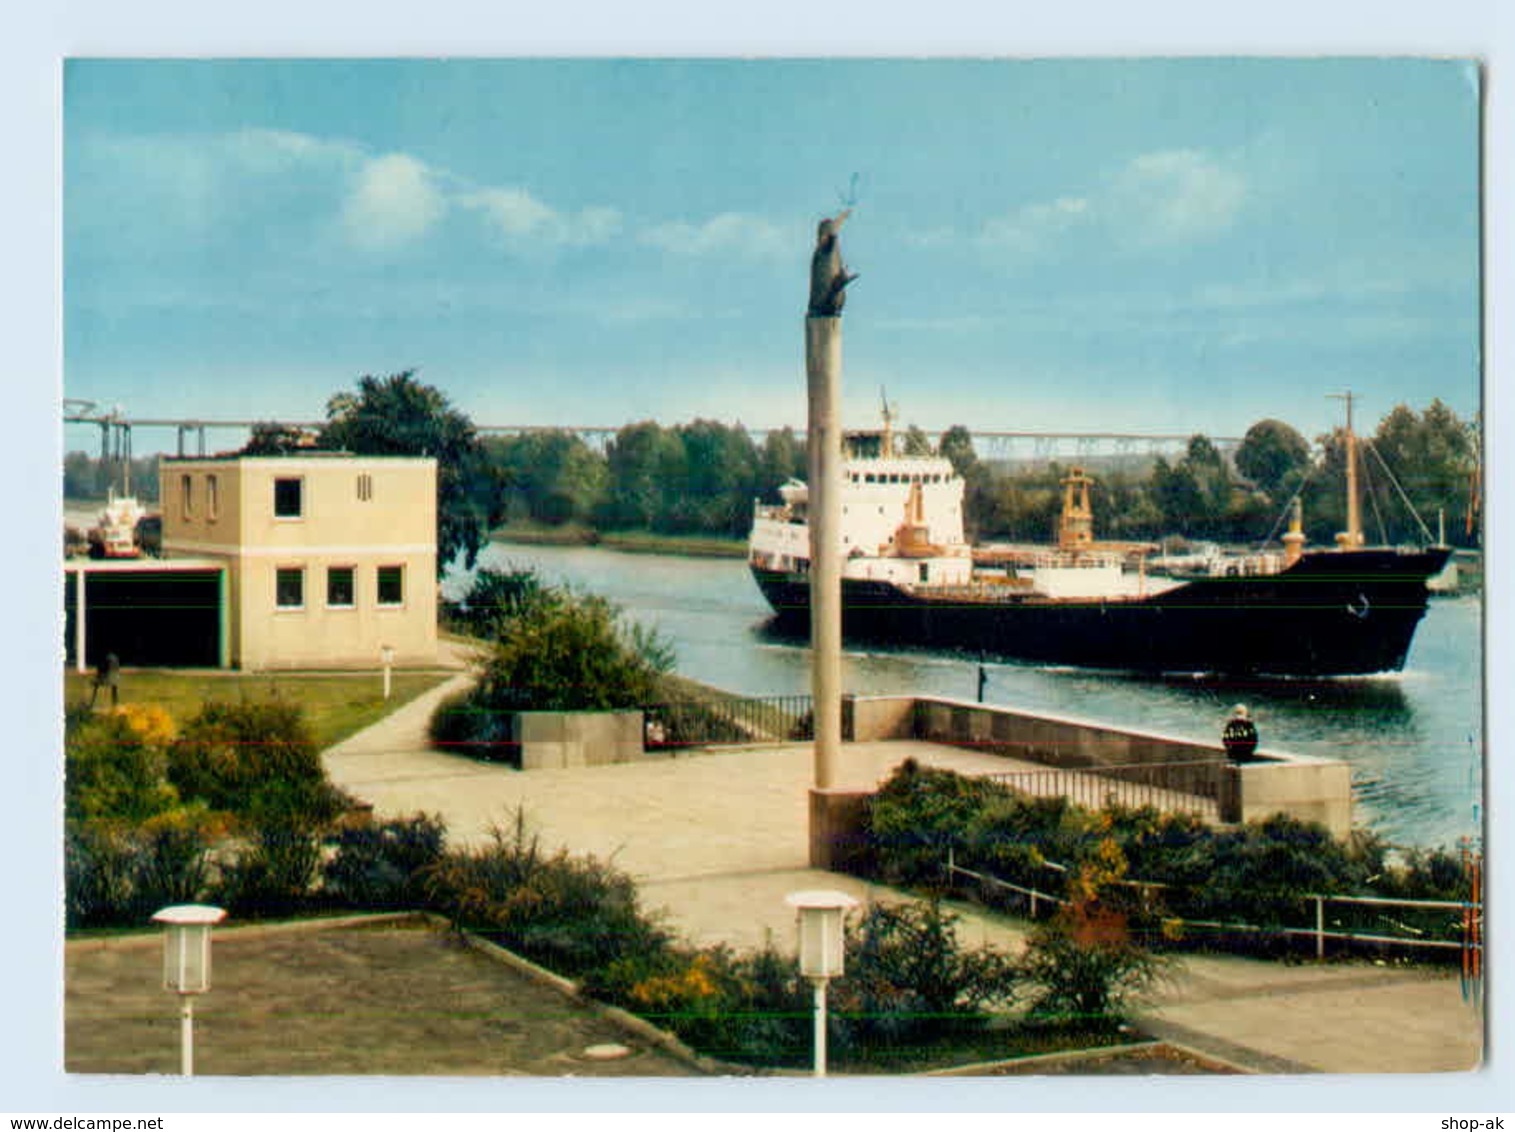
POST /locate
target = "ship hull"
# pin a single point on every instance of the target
(1332, 613)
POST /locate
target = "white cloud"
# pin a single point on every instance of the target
(395, 201)
(730, 233)
(520, 217)
(1163, 198)
(381, 201)
(1175, 197)
(275, 151)
(1031, 229)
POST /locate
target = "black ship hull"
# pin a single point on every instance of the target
(1332, 613)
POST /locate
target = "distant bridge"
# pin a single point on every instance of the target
(992, 444)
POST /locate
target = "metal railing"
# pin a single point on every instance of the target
(1188, 786)
(1470, 912)
(762, 719)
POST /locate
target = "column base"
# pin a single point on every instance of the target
(838, 828)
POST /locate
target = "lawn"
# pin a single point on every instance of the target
(335, 704)
(630, 542)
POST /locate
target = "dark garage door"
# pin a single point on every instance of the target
(158, 617)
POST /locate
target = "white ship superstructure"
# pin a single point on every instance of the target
(902, 522)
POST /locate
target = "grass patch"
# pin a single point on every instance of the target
(335, 704)
(630, 542)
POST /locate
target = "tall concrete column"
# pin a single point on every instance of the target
(823, 369)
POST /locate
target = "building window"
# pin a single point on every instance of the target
(365, 487)
(186, 496)
(391, 585)
(341, 592)
(289, 587)
(212, 497)
(289, 498)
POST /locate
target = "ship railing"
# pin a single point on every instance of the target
(729, 722)
(1460, 922)
(1191, 786)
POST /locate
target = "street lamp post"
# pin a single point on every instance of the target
(186, 966)
(821, 951)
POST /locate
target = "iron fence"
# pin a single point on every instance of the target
(1189, 786)
(1464, 918)
(729, 722)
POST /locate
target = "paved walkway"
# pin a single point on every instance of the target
(716, 841)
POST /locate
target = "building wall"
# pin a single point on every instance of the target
(356, 513)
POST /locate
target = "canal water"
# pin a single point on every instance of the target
(1414, 738)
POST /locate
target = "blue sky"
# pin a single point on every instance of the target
(1157, 245)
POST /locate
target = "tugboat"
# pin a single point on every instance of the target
(909, 577)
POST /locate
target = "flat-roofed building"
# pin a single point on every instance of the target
(330, 557)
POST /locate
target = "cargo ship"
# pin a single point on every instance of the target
(910, 577)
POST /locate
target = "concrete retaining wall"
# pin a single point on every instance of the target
(1311, 789)
(552, 740)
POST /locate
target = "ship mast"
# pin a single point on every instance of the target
(1351, 538)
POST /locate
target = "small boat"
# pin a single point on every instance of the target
(909, 577)
(115, 535)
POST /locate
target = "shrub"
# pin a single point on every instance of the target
(917, 815)
(752, 1008)
(111, 772)
(908, 979)
(575, 914)
(275, 873)
(116, 875)
(554, 650)
(1087, 968)
(1014, 835)
(1260, 873)
(383, 865)
(572, 652)
(495, 595)
(256, 760)
(175, 865)
(464, 727)
(99, 867)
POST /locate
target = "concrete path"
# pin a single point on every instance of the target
(715, 841)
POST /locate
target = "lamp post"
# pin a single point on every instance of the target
(186, 966)
(387, 654)
(821, 951)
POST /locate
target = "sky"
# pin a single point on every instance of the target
(1150, 245)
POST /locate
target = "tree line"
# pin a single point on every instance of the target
(702, 477)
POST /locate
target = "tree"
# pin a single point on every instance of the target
(720, 479)
(553, 476)
(782, 458)
(1431, 455)
(1274, 457)
(269, 438)
(957, 445)
(399, 416)
(643, 459)
(916, 442)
